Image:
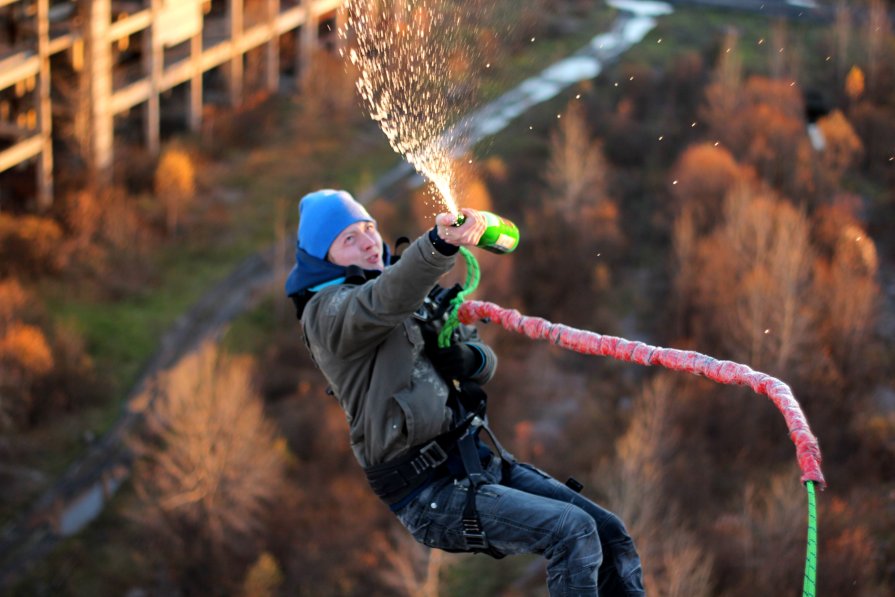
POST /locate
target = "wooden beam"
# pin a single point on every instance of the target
(20, 152)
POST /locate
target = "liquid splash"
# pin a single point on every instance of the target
(415, 61)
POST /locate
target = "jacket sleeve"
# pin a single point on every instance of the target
(351, 320)
(470, 336)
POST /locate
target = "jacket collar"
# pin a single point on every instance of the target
(310, 274)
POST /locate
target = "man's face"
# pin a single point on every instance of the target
(360, 245)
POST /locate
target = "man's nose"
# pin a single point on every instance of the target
(369, 239)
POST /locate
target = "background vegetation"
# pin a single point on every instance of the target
(676, 199)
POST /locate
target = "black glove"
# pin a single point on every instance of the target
(459, 361)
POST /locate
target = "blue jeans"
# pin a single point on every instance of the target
(528, 511)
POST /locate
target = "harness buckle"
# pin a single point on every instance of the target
(474, 535)
(430, 456)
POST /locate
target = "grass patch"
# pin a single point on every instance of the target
(702, 30)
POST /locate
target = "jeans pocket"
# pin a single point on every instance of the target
(413, 517)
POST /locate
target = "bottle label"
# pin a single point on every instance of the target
(505, 241)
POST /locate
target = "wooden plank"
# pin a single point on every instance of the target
(20, 152)
(18, 67)
(132, 24)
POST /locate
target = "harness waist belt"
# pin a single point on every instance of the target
(394, 480)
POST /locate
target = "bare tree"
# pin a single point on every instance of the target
(842, 37)
(756, 280)
(723, 94)
(411, 569)
(209, 465)
(760, 547)
(877, 37)
(576, 171)
(851, 294)
(674, 563)
(778, 50)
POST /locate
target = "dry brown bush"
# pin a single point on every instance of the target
(29, 245)
(25, 355)
(675, 564)
(107, 241)
(209, 468)
(755, 282)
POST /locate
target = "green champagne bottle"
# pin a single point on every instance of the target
(500, 236)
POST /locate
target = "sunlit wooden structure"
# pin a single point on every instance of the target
(70, 69)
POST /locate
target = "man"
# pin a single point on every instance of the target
(415, 411)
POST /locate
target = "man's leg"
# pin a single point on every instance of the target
(514, 522)
(620, 572)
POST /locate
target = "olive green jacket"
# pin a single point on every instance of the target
(365, 340)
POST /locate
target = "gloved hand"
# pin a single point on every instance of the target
(459, 361)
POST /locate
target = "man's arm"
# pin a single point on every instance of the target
(349, 320)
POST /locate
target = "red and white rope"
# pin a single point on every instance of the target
(726, 372)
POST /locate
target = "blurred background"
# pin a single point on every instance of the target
(724, 183)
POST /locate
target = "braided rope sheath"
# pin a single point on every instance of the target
(726, 372)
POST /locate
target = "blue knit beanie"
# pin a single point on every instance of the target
(323, 215)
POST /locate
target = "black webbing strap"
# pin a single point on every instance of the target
(394, 480)
(473, 533)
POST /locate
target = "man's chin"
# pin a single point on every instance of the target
(378, 266)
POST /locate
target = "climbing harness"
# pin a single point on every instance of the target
(725, 372)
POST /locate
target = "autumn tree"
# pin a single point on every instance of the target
(106, 240)
(209, 466)
(25, 355)
(675, 565)
(755, 282)
(761, 122)
(722, 95)
(841, 150)
(842, 32)
(760, 547)
(878, 43)
(854, 84)
(848, 283)
(328, 102)
(264, 578)
(701, 179)
(576, 172)
(175, 184)
(29, 245)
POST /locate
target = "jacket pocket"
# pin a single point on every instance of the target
(424, 415)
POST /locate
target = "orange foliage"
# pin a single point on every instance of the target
(703, 176)
(763, 126)
(12, 298)
(854, 83)
(26, 347)
(29, 245)
(175, 184)
(842, 148)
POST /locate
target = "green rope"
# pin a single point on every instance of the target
(473, 275)
(811, 558)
